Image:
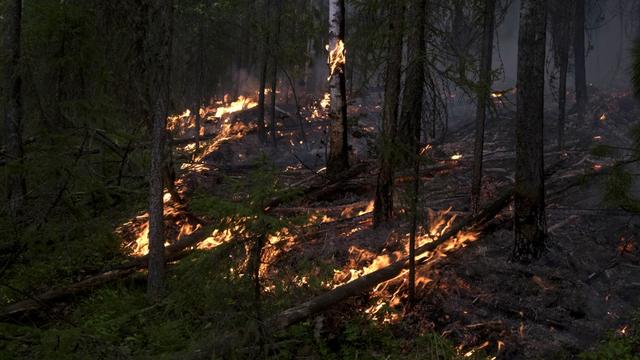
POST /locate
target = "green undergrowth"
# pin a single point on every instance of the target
(206, 300)
(618, 345)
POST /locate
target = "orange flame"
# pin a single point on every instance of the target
(337, 58)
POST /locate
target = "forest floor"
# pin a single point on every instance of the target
(477, 302)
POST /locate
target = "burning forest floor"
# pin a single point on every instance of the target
(472, 301)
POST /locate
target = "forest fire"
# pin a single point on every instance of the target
(207, 193)
(439, 223)
(243, 103)
(219, 110)
(337, 58)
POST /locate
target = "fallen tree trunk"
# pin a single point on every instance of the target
(172, 252)
(369, 281)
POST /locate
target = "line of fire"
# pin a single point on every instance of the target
(320, 179)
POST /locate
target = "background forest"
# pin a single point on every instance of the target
(337, 179)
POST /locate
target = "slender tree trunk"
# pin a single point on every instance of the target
(484, 93)
(199, 85)
(414, 228)
(383, 205)
(157, 61)
(411, 118)
(13, 105)
(262, 134)
(580, 54)
(529, 205)
(338, 159)
(563, 63)
(274, 75)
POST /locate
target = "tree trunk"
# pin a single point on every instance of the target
(411, 118)
(338, 159)
(13, 105)
(262, 134)
(580, 66)
(274, 75)
(157, 61)
(529, 216)
(563, 63)
(383, 205)
(484, 93)
(199, 86)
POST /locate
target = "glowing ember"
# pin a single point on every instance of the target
(326, 101)
(597, 138)
(603, 117)
(623, 331)
(456, 156)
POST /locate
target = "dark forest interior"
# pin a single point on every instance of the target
(320, 179)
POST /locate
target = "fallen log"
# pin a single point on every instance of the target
(369, 281)
(173, 252)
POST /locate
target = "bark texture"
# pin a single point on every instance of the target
(580, 66)
(529, 217)
(13, 112)
(560, 28)
(338, 160)
(411, 119)
(157, 63)
(484, 93)
(383, 205)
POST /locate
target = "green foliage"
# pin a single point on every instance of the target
(618, 190)
(361, 338)
(618, 346)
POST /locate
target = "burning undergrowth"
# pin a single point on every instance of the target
(466, 296)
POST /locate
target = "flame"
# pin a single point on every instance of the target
(456, 156)
(243, 103)
(388, 294)
(496, 95)
(228, 132)
(337, 58)
(623, 331)
(368, 210)
(603, 117)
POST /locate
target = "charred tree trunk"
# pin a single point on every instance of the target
(157, 62)
(274, 75)
(262, 134)
(199, 86)
(383, 205)
(13, 112)
(529, 215)
(484, 93)
(338, 159)
(411, 118)
(562, 49)
(580, 66)
(635, 77)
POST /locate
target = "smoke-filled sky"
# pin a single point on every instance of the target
(608, 44)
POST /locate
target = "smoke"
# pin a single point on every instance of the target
(611, 29)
